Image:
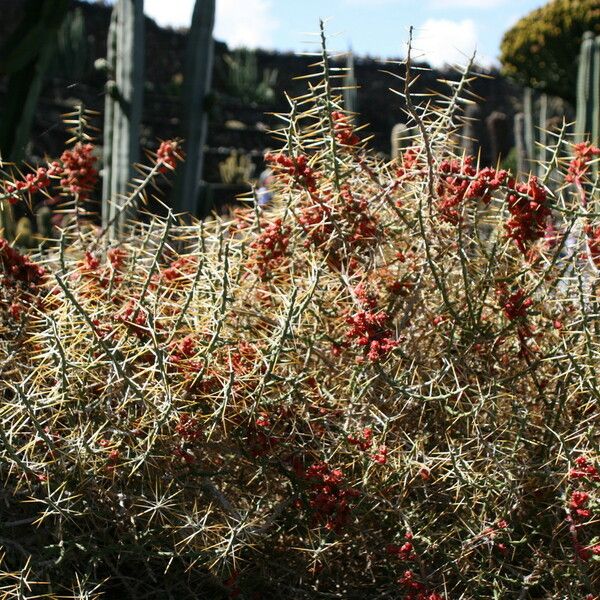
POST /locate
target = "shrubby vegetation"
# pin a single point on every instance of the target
(382, 386)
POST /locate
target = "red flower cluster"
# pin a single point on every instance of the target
(31, 184)
(184, 348)
(409, 161)
(363, 440)
(167, 156)
(20, 278)
(89, 263)
(78, 174)
(137, 323)
(103, 330)
(296, 168)
(415, 589)
(181, 354)
(380, 457)
(18, 269)
(493, 532)
(270, 247)
(328, 499)
(355, 224)
(460, 180)
(527, 206)
(452, 186)
(189, 428)
(580, 165)
(368, 329)
(514, 305)
(365, 296)
(579, 507)
(317, 221)
(91, 270)
(404, 552)
(244, 357)
(486, 181)
(584, 470)
(116, 257)
(75, 169)
(355, 214)
(260, 440)
(178, 268)
(578, 504)
(343, 129)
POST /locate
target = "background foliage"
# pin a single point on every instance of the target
(541, 50)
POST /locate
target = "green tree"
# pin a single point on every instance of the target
(541, 50)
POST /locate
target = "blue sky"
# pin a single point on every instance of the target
(445, 30)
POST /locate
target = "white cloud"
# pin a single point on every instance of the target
(511, 20)
(247, 23)
(448, 4)
(170, 14)
(238, 22)
(443, 41)
(481, 4)
(369, 3)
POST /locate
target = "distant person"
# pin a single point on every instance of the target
(264, 195)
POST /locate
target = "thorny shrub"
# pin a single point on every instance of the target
(383, 386)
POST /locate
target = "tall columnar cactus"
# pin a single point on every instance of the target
(520, 144)
(543, 134)
(24, 233)
(123, 107)
(350, 86)
(72, 53)
(7, 221)
(529, 114)
(198, 75)
(586, 125)
(25, 59)
(402, 137)
(534, 134)
(243, 79)
(473, 130)
(496, 124)
(43, 218)
(596, 81)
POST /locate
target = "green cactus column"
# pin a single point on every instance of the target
(520, 145)
(198, 76)
(350, 86)
(596, 119)
(585, 89)
(497, 134)
(72, 56)
(43, 218)
(7, 221)
(123, 107)
(473, 130)
(25, 58)
(532, 137)
(529, 115)
(543, 135)
(402, 137)
(596, 93)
